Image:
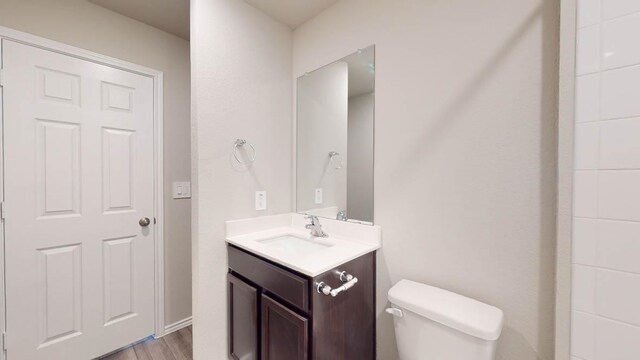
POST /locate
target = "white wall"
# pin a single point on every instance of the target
(322, 107)
(241, 86)
(88, 26)
(465, 149)
(606, 225)
(360, 172)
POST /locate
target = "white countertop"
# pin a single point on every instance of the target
(346, 241)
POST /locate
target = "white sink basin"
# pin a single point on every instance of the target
(295, 245)
(284, 239)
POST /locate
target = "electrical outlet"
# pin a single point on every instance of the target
(318, 196)
(261, 200)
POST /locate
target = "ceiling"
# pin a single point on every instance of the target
(171, 16)
(292, 13)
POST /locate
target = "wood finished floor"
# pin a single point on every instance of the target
(175, 346)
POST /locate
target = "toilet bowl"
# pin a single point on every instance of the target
(436, 324)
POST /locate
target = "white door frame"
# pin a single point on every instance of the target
(157, 76)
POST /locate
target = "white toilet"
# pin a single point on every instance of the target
(436, 324)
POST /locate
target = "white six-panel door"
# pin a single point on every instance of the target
(78, 140)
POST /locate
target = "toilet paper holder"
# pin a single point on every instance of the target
(348, 282)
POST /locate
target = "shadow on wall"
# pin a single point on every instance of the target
(386, 345)
(455, 108)
(512, 341)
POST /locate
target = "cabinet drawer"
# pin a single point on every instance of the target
(282, 283)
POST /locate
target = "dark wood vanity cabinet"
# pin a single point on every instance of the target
(277, 314)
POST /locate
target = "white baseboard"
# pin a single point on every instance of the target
(178, 325)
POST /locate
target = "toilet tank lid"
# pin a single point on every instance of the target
(450, 309)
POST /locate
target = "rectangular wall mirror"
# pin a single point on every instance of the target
(335, 134)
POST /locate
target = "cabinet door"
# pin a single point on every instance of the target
(285, 334)
(243, 320)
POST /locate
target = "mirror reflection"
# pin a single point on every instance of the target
(335, 134)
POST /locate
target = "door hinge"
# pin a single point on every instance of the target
(154, 221)
(2, 77)
(4, 341)
(3, 210)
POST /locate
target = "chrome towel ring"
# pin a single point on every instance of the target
(240, 143)
(335, 159)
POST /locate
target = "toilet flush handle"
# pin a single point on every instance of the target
(394, 312)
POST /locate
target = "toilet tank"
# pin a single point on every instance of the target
(436, 324)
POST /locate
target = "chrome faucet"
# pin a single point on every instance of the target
(341, 215)
(315, 227)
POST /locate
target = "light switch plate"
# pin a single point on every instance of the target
(181, 189)
(319, 196)
(261, 200)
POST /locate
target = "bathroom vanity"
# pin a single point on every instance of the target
(299, 287)
(294, 296)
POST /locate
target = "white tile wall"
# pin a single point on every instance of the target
(584, 289)
(586, 146)
(616, 341)
(620, 93)
(588, 98)
(583, 334)
(585, 238)
(618, 246)
(619, 40)
(588, 50)
(615, 8)
(617, 296)
(619, 145)
(619, 195)
(606, 231)
(588, 12)
(585, 194)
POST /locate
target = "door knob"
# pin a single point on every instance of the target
(144, 222)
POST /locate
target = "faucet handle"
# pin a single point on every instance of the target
(313, 218)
